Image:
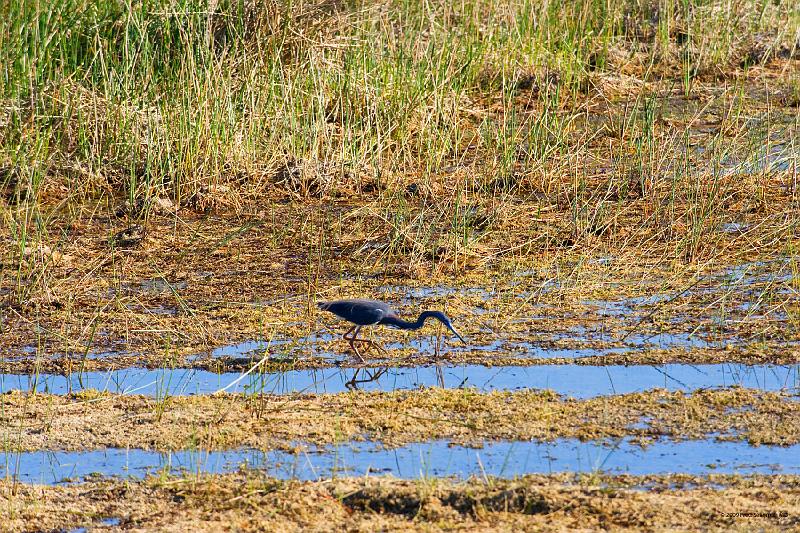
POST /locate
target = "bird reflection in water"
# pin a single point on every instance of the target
(370, 375)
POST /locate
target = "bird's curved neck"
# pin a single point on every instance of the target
(396, 321)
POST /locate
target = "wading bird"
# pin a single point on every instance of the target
(370, 312)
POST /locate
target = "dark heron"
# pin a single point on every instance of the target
(370, 312)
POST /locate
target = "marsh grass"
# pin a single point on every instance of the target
(170, 98)
(269, 503)
(410, 139)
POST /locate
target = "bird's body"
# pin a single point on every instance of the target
(358, 311)
(371, 312)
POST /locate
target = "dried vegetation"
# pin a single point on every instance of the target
(584, 175)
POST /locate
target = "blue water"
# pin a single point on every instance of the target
(578, 381)
(437, 458)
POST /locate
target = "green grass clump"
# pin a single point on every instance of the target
(438, 138)
(156, 97)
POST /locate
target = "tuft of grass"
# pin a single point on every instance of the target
(400, 139)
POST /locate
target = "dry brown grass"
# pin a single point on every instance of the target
(90, 420)
(534, 503)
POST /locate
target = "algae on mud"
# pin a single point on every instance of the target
(613, 179)
(585, 316)
(253, 502)
(92, 420)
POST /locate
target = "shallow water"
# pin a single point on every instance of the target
(579, 381)
(755, 285)
(437, 458)
(107, 522)
(427, 344)
(586, 344)
(772, 158)
(408, 294)
(744, 275)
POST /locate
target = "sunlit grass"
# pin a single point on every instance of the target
(153, 98)
(401, 139)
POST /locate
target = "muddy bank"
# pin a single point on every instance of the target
(251, 502)
(91, 420)
(779, 353)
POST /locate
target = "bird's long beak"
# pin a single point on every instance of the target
(456, 333)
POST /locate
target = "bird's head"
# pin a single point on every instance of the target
(446, 321)
(457, 334)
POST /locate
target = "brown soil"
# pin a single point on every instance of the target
(91, 420)
(601, 218)
(250, 502)
(761, 353)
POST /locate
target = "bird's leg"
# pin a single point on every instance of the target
(368, 342)
(374, 344)
(351, 336)
(348, 332)
(351, 340)
(378, 346)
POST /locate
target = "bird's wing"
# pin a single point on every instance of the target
(363, 312)
(369, 313)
